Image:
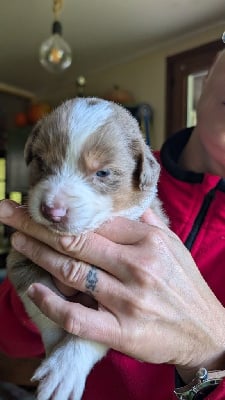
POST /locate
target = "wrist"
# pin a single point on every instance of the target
(201, 386)
(187, 373)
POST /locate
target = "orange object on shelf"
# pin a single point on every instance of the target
(21, 119)
(37, 111)
(119, 95)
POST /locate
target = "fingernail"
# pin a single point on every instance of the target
(18, 240)
(6, 209)
(31, 291)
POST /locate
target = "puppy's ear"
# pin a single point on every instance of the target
(28, 153)
(149, 169)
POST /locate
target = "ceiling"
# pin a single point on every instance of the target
(101, 33)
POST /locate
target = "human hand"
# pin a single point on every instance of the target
(153, 303)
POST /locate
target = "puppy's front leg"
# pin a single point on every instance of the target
(69, 359)
(22, 273)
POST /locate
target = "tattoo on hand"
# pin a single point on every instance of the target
(91, 279)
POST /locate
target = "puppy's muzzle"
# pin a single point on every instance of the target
(55, 213)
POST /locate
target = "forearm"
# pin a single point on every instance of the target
(18, 370)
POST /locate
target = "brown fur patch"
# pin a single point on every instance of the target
(117, 147)
(47, 145)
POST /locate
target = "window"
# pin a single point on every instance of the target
(194, 88)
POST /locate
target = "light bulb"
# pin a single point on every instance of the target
(223, 37)
(55, 54)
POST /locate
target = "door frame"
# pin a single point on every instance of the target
(178, 67)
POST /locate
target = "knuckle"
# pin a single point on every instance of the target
(155, 236)
(73, 272)
(138, 265)
(72, 244)
(70, 324)
(141, 274)
(35, 252)
(74, 325)
(148, 272)
(25, 224)
(45, 303)
(133, 303)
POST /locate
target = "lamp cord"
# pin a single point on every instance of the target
(57, 7)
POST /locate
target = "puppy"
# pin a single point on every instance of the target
(87, 164)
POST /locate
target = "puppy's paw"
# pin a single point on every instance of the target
(63, 374)
(58, 380)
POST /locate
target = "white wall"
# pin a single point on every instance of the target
(145, 76)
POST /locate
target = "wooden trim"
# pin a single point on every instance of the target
(16, 91)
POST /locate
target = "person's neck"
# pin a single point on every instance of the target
(195, 158)
(192, 156)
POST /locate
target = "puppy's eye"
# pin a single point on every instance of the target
(103, 173)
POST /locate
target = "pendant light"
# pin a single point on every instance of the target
(55, 54)
(223, 37)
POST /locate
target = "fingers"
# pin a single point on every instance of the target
(14, 215)
(119, 230)
(88, 247)
(109, 247)
(64, 289)
(153, 220)
(93, 248)
(64, 265)
(150, 218)
(73, 317)
(71, 272)
(123, 231)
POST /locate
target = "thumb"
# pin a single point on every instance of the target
(151, 218)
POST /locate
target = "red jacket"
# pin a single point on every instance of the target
(196, 210)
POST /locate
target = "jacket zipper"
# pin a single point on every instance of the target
(200, 218)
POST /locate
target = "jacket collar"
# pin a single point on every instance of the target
(170, 154)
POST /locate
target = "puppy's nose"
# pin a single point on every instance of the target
(55, 213)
